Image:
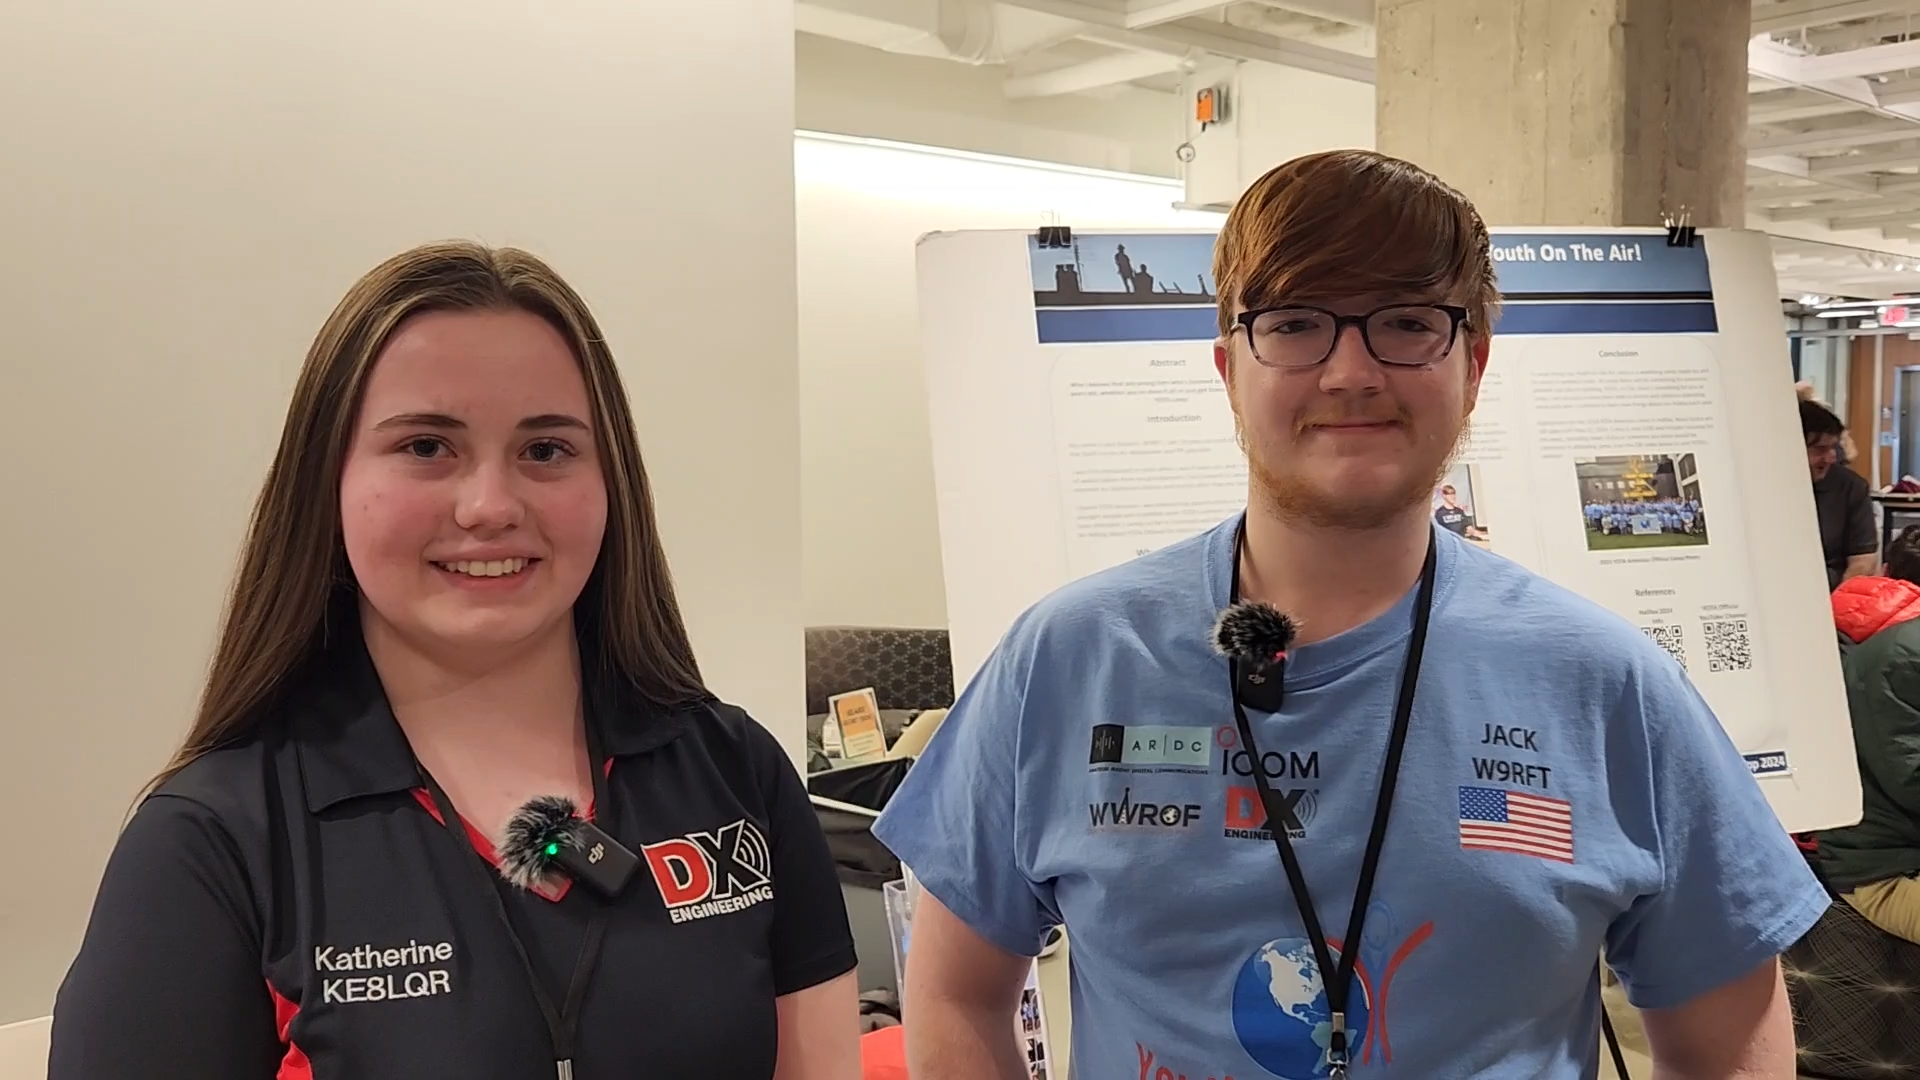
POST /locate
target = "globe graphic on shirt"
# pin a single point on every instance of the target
(1280, 1011)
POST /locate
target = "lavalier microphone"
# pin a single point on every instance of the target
(549, 834)
(1255, 636)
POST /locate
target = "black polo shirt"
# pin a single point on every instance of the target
(291, 907)
(1844, 505)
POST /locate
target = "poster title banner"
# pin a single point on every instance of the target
(1598, 264)
(1159, 287)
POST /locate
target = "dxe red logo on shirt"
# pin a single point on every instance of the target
(712, 873)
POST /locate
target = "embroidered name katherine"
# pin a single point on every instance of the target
(400, 972)
(374, 958)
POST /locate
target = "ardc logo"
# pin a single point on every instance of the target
(1149, 748)
(712, 873)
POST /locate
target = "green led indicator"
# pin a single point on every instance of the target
(553, 848)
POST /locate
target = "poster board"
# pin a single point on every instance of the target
(1636, 440)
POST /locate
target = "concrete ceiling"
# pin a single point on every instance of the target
(1834, 144)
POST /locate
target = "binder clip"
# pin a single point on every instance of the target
(1054, 237)
(1680, 230)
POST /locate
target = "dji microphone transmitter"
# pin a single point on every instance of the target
(1254, 637)
(548, 834)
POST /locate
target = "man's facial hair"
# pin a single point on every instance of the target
(1295, 498)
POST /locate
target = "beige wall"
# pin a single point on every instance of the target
(185, 190)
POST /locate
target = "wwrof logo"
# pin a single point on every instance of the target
(712, 873)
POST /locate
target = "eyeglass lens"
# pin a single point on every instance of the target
(1303, 337)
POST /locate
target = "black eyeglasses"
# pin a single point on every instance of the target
(1401, 335)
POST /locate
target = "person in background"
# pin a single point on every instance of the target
(1205, 841)
(1849, 538)
(453, 600)
(1805, 392)
(1875, 865)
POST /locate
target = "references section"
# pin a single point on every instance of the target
(1635, 499)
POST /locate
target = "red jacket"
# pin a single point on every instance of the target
(1864, 606)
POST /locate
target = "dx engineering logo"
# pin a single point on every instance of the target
(704, 874)
(1246, 816)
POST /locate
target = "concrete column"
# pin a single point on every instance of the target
(1571, 112)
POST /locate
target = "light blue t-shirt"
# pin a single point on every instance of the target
(1564, 789)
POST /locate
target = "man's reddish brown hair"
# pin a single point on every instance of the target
(1346, 224)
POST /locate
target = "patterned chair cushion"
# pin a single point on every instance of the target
(1856, 999)
(909, 669)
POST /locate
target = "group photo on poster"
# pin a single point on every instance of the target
(1641, 501)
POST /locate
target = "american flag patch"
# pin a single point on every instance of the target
(1495, 820)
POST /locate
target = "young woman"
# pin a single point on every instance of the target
(453, 599)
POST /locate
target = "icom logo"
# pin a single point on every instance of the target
(704, 874)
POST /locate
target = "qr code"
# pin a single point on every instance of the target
(1670, 639)
(1729, 648)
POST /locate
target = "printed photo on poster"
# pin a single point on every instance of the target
(1457, 507)
(1641, 501)
(1033, 1029)
(1124, 287)
(1124, 268)
(1033, 1034)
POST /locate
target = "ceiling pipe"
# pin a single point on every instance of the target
(974, 32)
(970, 31)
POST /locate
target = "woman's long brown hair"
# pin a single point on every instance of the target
(293, 571)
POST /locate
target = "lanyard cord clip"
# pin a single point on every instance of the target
(563, 1020)
(1336, 979)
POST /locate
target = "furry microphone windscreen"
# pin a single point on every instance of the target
(1254, 633)
(534, 837)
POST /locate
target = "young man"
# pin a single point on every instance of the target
(1848, 536)
(1563, 790)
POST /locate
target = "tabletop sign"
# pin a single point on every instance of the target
(857, 714)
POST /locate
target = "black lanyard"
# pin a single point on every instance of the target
(1337, 980)
(563, 1023)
